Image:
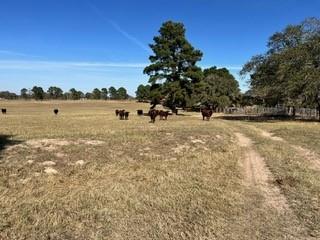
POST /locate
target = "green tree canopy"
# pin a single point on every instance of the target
(104, 93)
(74, 94)
(8, 95)
(218, 88)
(38, 93)
(113, 94)
(143, 92)
(24, 93)
(122, 93)
(289, 72)
(173, 64)
(55, 92)
(88, 95)
(96, 94)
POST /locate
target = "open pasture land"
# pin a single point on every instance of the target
(84, 174)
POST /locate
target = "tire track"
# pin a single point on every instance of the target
(256, 174)
(311, 156)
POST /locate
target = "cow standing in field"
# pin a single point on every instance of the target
(126, 115)
(153, 113)
(163, 114)
(206, 114)
(4, 110)
(140, 112)
(56, 111)
(121, 114)
(117, 112)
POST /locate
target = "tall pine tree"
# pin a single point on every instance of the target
(173, 64)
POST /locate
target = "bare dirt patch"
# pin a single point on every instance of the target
(80, 163)
(48, 144)
(258, 175)
(270, 136)
(48, 163)
(181, 148)
(193, 140)
(91, 142)
(51, 145)
(50, 171)
(60, 155)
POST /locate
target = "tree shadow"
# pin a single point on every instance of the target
(264, 118)
(182, 115)
(7, 140)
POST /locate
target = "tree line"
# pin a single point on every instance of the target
(217, 88)
(38, 93)
(288, 73)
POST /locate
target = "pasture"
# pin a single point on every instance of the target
(84, 174)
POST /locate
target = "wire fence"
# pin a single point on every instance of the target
(301, 113)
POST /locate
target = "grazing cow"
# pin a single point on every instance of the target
(4, 110)
(121, 114)
(117, 112)
(153, 114)
(163, 114)
(206, 114)
(126, 115)
(56, 111)
(140, 112)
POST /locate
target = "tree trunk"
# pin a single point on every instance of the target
(293, 111)
(153, 106)
(319, 111)
(288, 110)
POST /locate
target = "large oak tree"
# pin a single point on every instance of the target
(289, 72)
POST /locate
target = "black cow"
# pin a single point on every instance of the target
(126, 115)
(4, 110)
(163, 114)
(140, 112)
(153, 113)
(56, 111)
(206, 114)
(117, 112)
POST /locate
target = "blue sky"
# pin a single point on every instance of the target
(97, 43)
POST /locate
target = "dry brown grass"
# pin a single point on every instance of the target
(175, 179)
(294, 170)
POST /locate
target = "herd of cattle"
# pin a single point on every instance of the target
(153, 113)
(163, 115)
(123, 114)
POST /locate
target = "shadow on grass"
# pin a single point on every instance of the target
(171, 114)
(264, 118)
(5, 141)
(182, 115)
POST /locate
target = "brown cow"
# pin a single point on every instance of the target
(4, 110)
(163, 114)
(153, 113)
(121, 114)
(206, 114)
(55, 111)
(126, 115)
(117, 112)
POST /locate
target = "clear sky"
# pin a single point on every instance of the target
(99, 43)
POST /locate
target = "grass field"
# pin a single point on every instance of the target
(84, 174)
